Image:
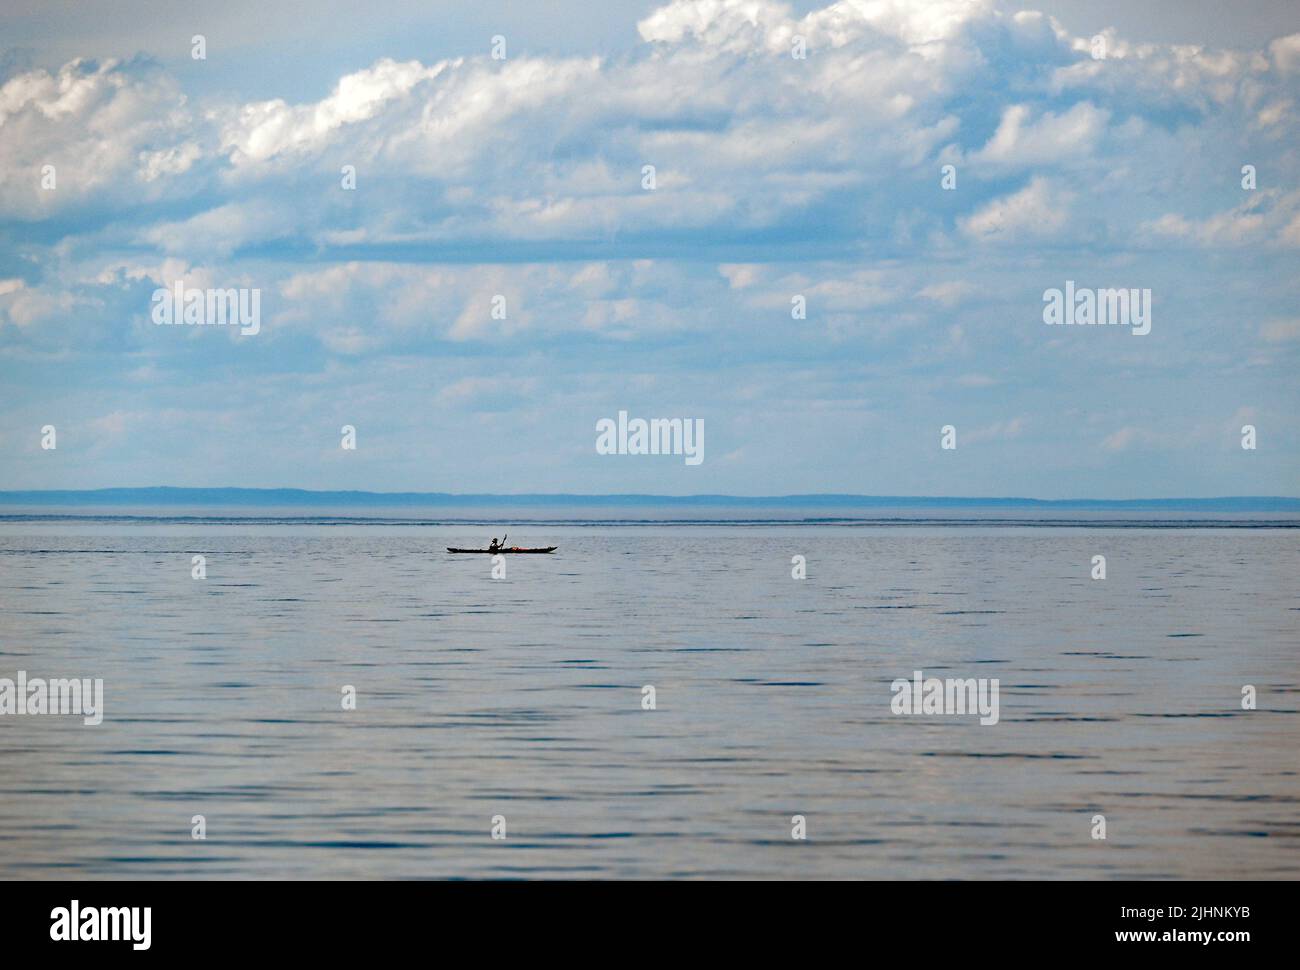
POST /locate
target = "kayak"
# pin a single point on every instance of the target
(509, 549)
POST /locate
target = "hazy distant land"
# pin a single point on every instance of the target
(283, 497)
(290, 505)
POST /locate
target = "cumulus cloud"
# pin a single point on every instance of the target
(842, 145)
(1285, 53)
(267, 129)
(102, 130)
(775, 176)
(743, 24)
(1267, 215)
(1022, 139)
(1041, 208)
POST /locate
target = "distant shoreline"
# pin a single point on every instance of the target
(1101, 521)
(298, 507)
(153, 497)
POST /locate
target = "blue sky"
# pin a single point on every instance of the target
(775, 177)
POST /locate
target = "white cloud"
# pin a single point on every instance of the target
(1039, 209)
(266, 129)
(744, 137)
(740, 276)
(742, 24)
(169, 161)
(1263, 215)
(1285, 52)
(108, 131)
(1023, 139)
(948, 293)
(222, 230)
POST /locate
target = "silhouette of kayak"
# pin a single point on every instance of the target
(509, 549)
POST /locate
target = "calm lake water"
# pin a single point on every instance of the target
(522, 697)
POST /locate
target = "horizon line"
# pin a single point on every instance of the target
(205, 495)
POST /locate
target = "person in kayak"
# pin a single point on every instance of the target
(495, 546)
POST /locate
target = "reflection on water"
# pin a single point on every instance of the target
(522, 697)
